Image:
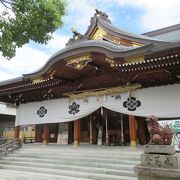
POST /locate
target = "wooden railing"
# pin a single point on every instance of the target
(9, 145)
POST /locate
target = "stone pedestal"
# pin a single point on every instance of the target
(159, 162)
(159, 149)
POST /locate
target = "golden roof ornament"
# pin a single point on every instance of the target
(73, 29)
(76, 36)
(102, 15)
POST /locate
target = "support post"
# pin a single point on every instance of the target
(16, 131)
(45, 134)
(122, 132)
(107, 135)
(90, 123)
(76, 132)
(132, 130)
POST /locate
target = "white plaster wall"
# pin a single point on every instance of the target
(6, 109)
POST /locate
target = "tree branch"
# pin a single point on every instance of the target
(4, 3)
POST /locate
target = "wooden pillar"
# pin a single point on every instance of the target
(16, 131)
(76, 132)
(94, 129)
(107, 135)
(45, 134)
(122, 132)
(90, 124)
(132, 131)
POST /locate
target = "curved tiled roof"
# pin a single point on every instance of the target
(112, 27)
(96, 43)
(100, 46)
(85, 45)
(98, 21)
(90, 46)
(11, 81)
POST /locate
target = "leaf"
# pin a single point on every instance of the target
(34, 20)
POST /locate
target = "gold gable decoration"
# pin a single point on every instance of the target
(51, 72)
(110, 60)
(79, 62)
(98, 34)
(136, 44)
(101, 92)
(37, 80)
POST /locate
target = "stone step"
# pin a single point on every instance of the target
(71, 149)
(74, 156)
(55, 162)
(128, 167)
(71, 160)
(95, 155)
(80, 148)
(73, 168)
(81, 158)
(17, 175)
(69, 173)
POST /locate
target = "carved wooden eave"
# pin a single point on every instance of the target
(146, 51)
(91, 46)
(78, 62)
(161, 69)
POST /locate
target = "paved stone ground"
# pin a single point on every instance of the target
(68, 162)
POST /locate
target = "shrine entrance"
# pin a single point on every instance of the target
(105, 127)
(102, 127)
(117, 128)
(52, 132)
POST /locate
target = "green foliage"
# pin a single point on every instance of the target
(26, 20)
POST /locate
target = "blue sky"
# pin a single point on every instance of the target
(137, 16)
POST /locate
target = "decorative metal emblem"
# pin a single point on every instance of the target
(42, 111)
(78, 63)
(131, 104)
(73, 108)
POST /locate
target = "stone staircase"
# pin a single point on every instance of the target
(36, 161)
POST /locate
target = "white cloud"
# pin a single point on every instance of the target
(156, 13)
(27, 60)
(6, 75)
(58, 42)
(161, 14)
(80, 13)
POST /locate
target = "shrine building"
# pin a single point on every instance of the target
(99, 88)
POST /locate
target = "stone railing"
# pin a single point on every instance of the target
(9, 145)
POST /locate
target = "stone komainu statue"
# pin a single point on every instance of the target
(158, 134)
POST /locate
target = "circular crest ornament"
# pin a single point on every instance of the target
(131, 103)
(42, 111)
(73, 108)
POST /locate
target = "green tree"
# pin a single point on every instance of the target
(25, 20)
